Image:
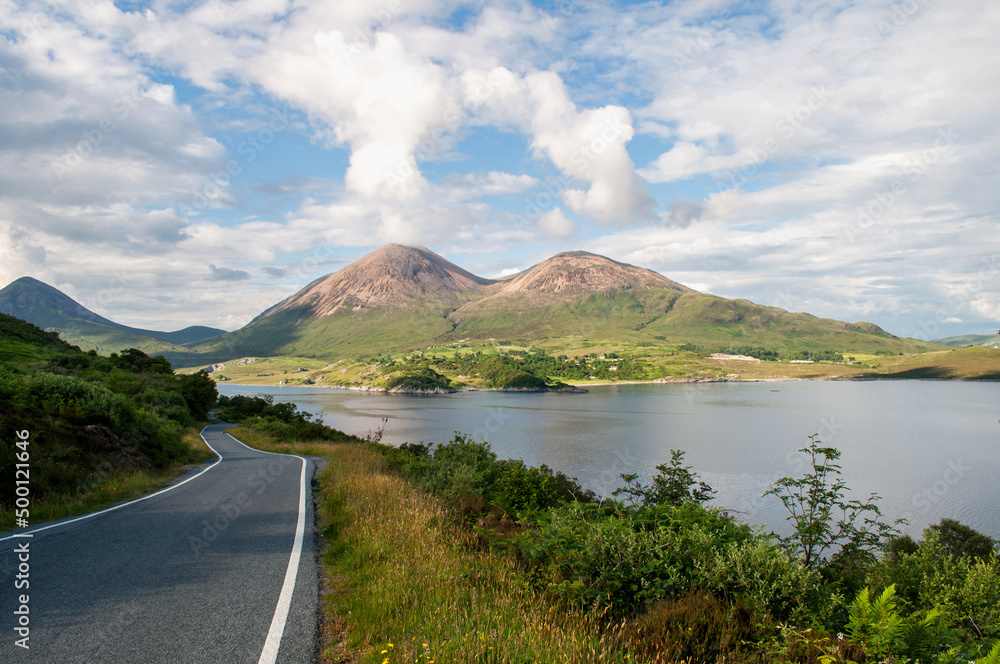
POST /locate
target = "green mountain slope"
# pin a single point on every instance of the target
(399, 299)
(40, 304)
(96, 423)
(991, 340)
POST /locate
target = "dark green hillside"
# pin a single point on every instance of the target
(992, 340)
(661, 317)
(91, 419)
(343, 334)
(710, 321)
(651, 317)
(40, 304)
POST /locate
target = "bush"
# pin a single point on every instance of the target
(763, 577)
(673, 484)
(522, 381)
(462, 467)
(825, 521)
(600, 555)
(697, 628)
(199, 393)
(965, 589)
(962, 541)
(419, 379)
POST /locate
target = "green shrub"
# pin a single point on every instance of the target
(764, 577)
(673, 484)
(522, 381)
(628, 560)
(421, 378)
(966, 590)
(825, 521)
(697, 628)
(462, 467)
(962, 541)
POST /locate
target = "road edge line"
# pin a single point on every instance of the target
(131, 502)
(272, 644)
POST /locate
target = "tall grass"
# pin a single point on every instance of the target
(408, 584)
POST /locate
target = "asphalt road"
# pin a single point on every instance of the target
(206, 571)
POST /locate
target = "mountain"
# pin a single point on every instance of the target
(402, 298)
(49, 308)
(991, 340)
(568, 276)
(393, 276)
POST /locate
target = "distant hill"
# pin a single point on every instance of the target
(400, 298)
(991, 340)
(392, 277)
(49, 308)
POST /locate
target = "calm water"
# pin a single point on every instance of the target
(931, 449)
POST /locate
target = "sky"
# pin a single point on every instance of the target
(170, 163)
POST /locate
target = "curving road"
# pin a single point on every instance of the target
(217, 568)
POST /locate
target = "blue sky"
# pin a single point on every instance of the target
(185, 163)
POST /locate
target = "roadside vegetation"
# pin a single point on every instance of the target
(446, 553)
(101, 429)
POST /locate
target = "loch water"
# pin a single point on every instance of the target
(930, 449)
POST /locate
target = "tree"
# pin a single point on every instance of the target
(199, 392)
(673, 484)
(824, 519)
(959, 540)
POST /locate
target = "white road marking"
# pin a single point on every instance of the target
(131, 502)
(272, 644)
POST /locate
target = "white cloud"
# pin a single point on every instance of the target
(556, 224)
(806, 116)
(988, 306)
(587, 146)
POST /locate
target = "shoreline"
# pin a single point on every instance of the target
(578, 388)
(581, 386)
(571, 389)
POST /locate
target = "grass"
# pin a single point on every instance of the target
(267, 370)
(114, 489)
(407, 583)
(976, 363)
(655, 317)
